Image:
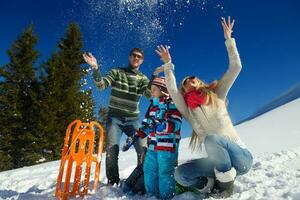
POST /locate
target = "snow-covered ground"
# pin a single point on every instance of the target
(272, 137)
(276, 130)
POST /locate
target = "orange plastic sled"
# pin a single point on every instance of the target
(79, 150)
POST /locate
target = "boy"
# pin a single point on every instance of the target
(162, 127)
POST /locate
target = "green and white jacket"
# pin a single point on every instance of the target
(127, 87)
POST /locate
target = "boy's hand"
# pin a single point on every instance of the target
(160, 127)
(157, 124)
(164, 54)
(154, 121)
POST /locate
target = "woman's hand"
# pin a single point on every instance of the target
(91, 60)
(164, 54)
(227, 27)
(158, 70)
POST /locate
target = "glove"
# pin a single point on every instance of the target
(157, 124)
(154, 121)
(129, 142)
(160, 127)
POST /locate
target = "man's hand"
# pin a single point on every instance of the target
(227, 27)
(164, 54)
(91, 60)
(129, 142)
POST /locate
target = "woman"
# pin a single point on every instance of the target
(204, 107)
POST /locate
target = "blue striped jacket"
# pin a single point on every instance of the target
(161, 125)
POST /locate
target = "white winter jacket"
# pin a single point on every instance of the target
(204, 119)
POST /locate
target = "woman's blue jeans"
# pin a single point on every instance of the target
(223, 154)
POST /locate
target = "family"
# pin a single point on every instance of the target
(203, 105)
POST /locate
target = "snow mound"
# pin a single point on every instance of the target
(273, 131)
(273, 176)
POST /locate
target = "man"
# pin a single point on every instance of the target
(128, 85)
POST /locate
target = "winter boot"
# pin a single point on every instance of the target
(135, 176)
(139, 187)
(205, 185)
(222, 190)
(224, 184)
(125, 187)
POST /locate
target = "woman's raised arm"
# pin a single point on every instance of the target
(168, 69)
(235, 65)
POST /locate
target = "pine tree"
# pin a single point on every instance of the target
(6, 115)
(19, 101)
(64, 99)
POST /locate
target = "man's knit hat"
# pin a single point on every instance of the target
(160, 82)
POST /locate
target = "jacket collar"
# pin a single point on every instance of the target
(136, 70)
(160, 100)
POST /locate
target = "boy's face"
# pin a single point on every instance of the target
(155, 92)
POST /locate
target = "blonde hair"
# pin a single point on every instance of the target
(211, 99)
(195, 142)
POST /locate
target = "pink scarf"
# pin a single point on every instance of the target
(195, 98)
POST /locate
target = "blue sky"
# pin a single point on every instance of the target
(267, 35)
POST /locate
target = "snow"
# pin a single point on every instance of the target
(141, 17)
(274, 130)
(272, 137)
